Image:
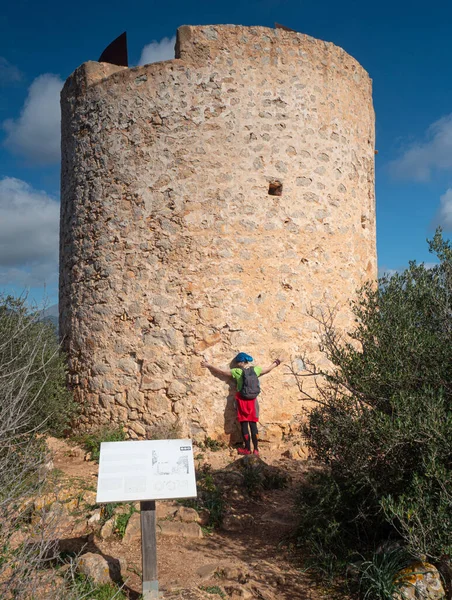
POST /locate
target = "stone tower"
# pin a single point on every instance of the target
(207, 202)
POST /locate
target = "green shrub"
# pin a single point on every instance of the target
(382, 422)
(91, 441)
(211, 444)
(259, 477)
(122, 520)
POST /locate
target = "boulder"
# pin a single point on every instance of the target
(133, 530)
(95, 517)
(89, 497)
(207, 571)
(233, 522)
(94, 566)
(164, 509)
(100, 569)
(108, 528)
(178, 529)
(419, 580)
(187, 515)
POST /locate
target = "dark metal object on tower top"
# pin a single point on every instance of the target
(116, 52)
(279, 26)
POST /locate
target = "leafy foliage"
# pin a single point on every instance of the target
(32, 368)
(259, 476)
(382, 423)
(122, 520)
(91, 441)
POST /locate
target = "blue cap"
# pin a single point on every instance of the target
(243, 357)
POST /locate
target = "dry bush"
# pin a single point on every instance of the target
(31, 377)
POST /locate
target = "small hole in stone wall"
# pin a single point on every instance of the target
(275, 188)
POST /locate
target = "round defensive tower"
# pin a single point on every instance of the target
(207, 203)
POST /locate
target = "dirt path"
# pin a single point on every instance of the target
(245, 561)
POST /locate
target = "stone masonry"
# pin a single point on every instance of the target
(177, 241)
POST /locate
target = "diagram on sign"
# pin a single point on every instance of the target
(163, 466)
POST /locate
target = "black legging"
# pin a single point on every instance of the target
(246, 434)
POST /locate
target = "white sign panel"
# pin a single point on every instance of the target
(147, 470)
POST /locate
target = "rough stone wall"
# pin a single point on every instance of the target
(172, 247)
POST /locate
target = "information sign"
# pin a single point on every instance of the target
(146, 470)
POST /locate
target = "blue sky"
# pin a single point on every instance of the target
(405, 46)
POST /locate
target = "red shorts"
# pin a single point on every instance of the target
(247, 410)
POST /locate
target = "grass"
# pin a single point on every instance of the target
(213, 445)
(213, 589)
(84, 587)
(378, 576)
(107, 510)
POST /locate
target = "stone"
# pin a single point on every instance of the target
(80, 528)
(291, 453)
(133, 530)
(89, 498)
(94, 566)
(137, 428)
(43, 502)
(207, 571)
(176, 389)
(234, 522)
(108, 528)
(17, 539)
(178, 529)
(164, 509)
(239, 592)
(204, 517)
(95, 517)
(419, 580)
(71, 505)
(187, 515)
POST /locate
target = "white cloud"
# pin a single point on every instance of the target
(29, 230)
(36, 133)
(158, 51)
(421, 158)
(8, 72)
(443, 216)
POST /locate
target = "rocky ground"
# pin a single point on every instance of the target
(249, 556)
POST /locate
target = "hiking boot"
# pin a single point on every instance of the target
(243, 451)
(256, 452)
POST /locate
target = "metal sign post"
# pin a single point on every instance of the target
(149, 550)
(146, 471)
